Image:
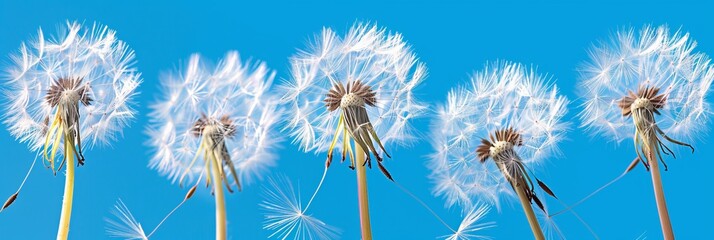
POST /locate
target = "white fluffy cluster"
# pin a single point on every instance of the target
(232, 88)
(502, 95)
(653, 57)
(367, 53)
(93, 54)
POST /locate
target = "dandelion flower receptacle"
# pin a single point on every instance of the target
(70, 92)
(222, 115)
(653, 84)
(354, 93)
(509, 114)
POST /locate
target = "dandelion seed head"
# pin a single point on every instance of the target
(228, 101)
(654, 57)
(368, 54)
(80, 63)
(285, 215)
(503, 96)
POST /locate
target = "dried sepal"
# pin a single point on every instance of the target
(545, 188)
(500, 148)
(483, 151)
(507, 135)
(354, 122)
(537, 201)
(642, 107)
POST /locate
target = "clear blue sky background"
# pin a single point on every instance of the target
(452, 38)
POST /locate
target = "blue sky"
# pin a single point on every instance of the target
(452, 38)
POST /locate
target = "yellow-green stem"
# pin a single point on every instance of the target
(63, 231)
(659, 196)
(220, 198)
(362, 194)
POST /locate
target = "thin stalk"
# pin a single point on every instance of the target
(220, 198)
(362, 194)
(528, 209)
(659, 195)
(526, 204)
(63, 231)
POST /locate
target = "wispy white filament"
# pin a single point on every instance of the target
(127, 227)
(472, 225)
(286, 217)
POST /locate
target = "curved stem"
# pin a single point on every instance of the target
(220, 199)
(659, 195)
(63, 231)
(362, 194)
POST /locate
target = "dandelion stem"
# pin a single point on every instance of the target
(659, 194)
(220, 198)
(63, 231)
(532, 220)
(362, 193)
(525, 203)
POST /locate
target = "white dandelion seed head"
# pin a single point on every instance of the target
(502, 95)
(652, 57)
(93, 54)
(285, 214)
(367, 53)
(232, 89)
(127, 227)
(472, 225)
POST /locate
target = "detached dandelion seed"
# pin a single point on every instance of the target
(354, 88)
(222, 115)
(473, 224)
(286, 216)
(70, 92)
(509, 114)
(653, 84)
(127, 227)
